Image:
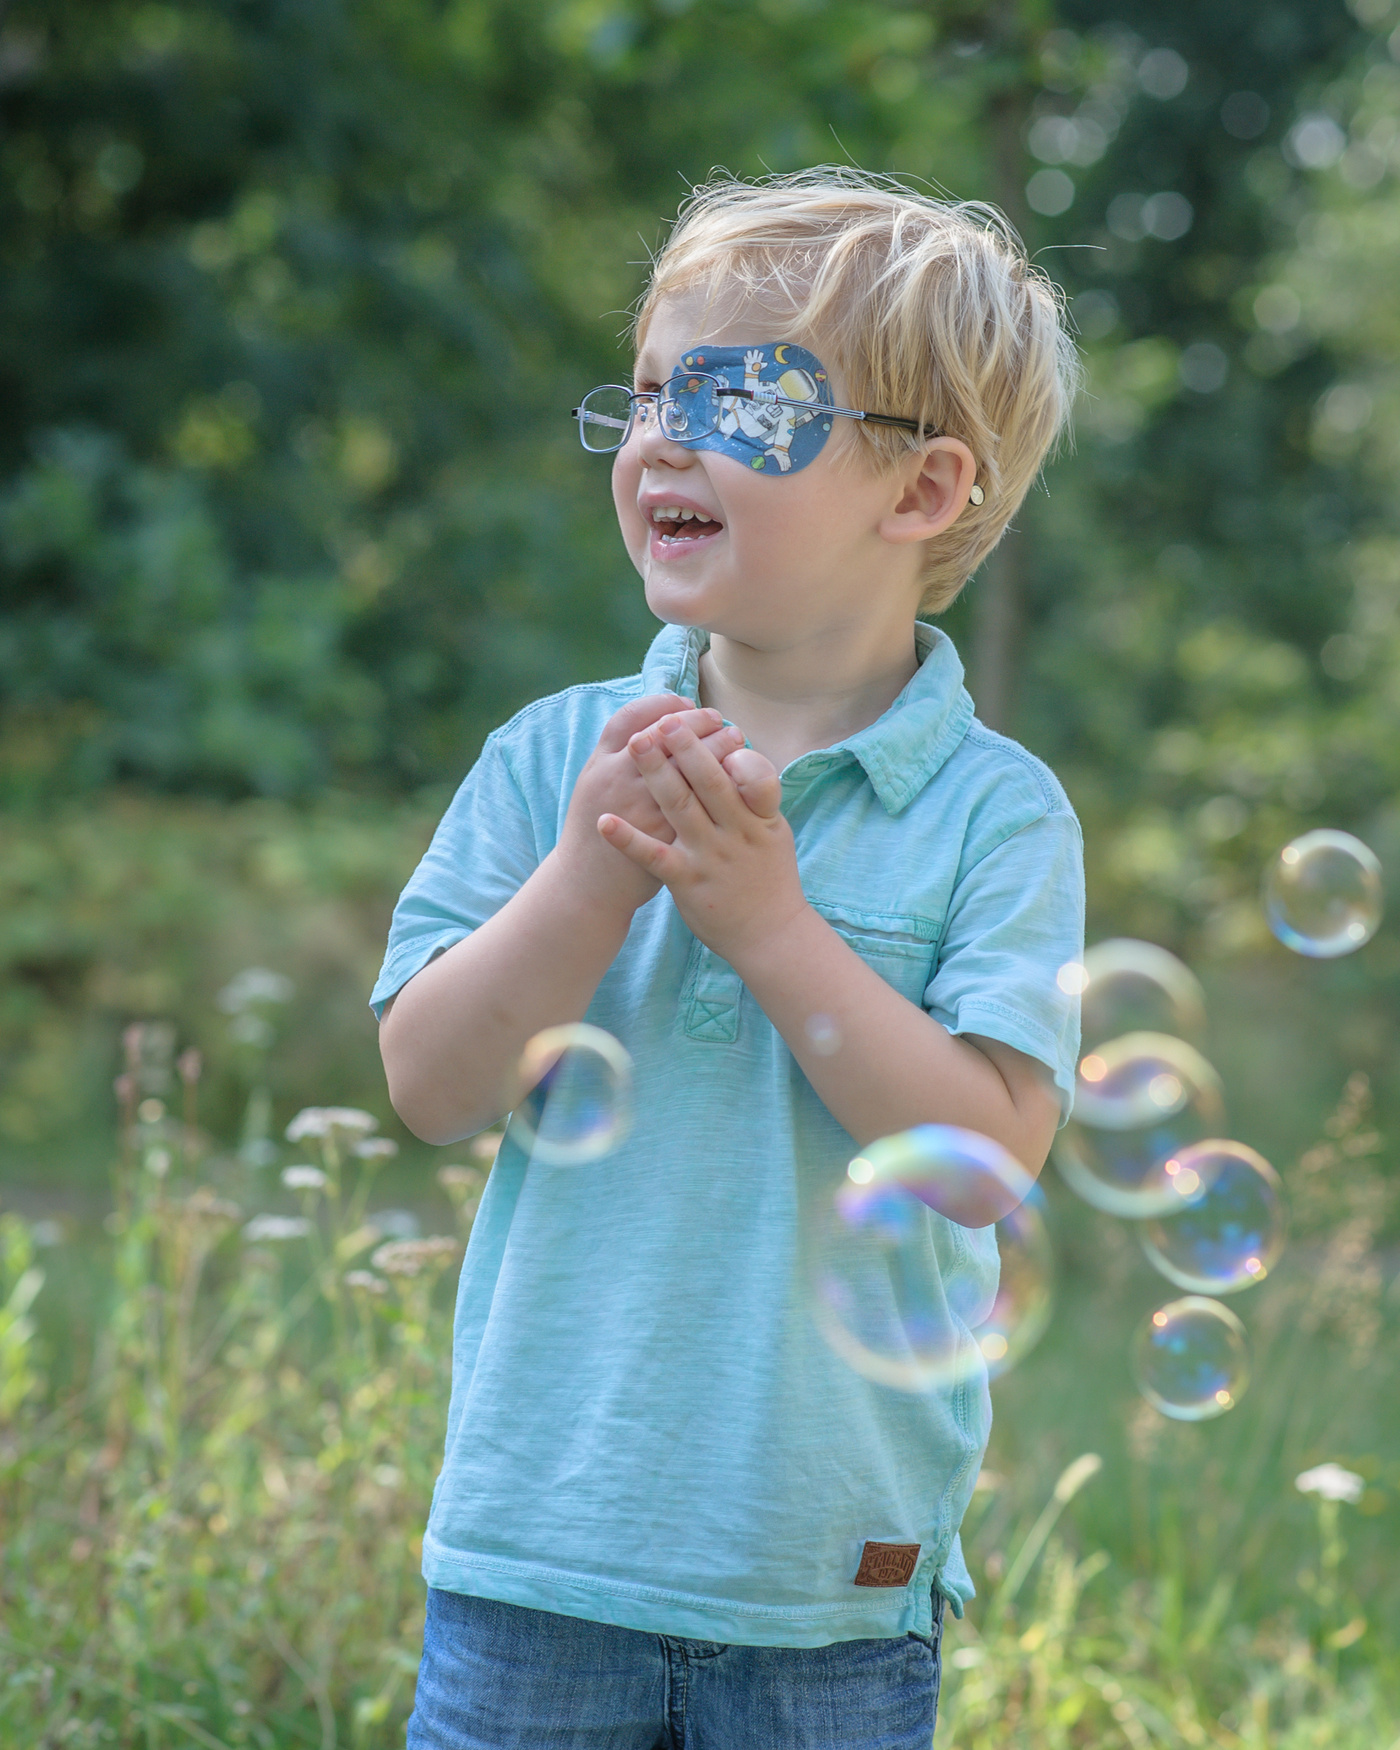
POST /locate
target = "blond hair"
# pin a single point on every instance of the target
(929, 309)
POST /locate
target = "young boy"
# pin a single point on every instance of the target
(665, 1508)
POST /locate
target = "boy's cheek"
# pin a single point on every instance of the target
(626, 482)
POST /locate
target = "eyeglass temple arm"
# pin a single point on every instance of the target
(844, 412)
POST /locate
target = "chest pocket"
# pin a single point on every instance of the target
(903, 949)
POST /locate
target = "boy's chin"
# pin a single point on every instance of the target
(676, 606)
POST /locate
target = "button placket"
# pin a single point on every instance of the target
(710, 998)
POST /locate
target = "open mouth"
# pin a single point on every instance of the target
(674, 523)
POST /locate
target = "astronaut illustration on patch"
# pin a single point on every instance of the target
(774, 421)
(767, 419)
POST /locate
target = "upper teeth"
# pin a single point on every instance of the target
(678, 513)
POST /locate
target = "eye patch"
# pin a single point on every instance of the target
(775, 418)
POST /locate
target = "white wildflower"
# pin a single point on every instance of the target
(412, 1257)
(303, 1178)
(318, 1121)
(366, 1282)
(254, 985)
(376, 1148)
(1331, 1482)
(277, 1227)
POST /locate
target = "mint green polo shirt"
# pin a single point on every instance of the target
(645, 1427)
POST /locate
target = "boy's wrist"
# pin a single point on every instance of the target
(595, 901)
(770, 955)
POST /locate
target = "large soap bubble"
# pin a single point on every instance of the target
(1138, 1102)
(1191, 1359)
(917, 1299)
(578, 1106)
(1126, 986)
(1229, 1234)
(1322, 894)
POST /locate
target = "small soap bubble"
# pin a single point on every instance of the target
(823, 1035)
(1138, 1102)
(1134, 987)
(905, 1290)
(1322, 894)
(1191, 1359)
(1228, 1233)
(579, 1104)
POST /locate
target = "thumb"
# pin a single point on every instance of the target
(756, 779)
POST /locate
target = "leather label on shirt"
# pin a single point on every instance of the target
(887, 1564)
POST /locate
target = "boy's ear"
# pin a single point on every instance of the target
(934, 487)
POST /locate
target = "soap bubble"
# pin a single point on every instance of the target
(579, 1104)
(1138, 1102)
(1322, 894)
(1230, 1234)
(1191, 1359)
(1133, 987)
(903, 1289)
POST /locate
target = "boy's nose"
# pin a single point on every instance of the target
(655, 447)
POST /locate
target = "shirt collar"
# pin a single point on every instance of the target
(899, 752)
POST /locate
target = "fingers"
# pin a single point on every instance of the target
(757, 780)
(638, 714)
(681, 772)
(646, 852)
(722, 742)
(669, 789)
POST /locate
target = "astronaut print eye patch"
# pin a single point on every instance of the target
(768, 406)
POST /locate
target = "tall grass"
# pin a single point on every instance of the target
(212, 1514)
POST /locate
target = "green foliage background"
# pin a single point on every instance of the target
(294, 298)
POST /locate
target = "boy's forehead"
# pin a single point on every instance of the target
(699, 318)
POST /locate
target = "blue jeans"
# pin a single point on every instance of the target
(500, 1677)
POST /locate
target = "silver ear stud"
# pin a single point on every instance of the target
(976, 496)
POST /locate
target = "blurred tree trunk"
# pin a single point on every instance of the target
(998, 595)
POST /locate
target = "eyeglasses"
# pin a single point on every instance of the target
(688, 408)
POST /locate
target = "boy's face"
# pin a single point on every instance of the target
(783, 554)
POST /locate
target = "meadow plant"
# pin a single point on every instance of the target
(210, 1527)
(215, 1538)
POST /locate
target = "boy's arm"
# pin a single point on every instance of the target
(452, 1037)
(732, 870)
(893, 1065)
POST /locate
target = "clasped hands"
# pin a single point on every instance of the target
(673, 798)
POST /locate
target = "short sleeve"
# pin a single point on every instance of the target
(484, 850)
(1016, 917)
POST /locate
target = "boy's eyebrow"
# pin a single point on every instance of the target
(644, 369)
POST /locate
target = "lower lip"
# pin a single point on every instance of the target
(670, 550)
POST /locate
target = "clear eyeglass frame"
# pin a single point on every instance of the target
(610, 412)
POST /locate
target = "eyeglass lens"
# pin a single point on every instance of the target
(689, 407)
(604, 417)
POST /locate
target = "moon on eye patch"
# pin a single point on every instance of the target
(778, 352)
